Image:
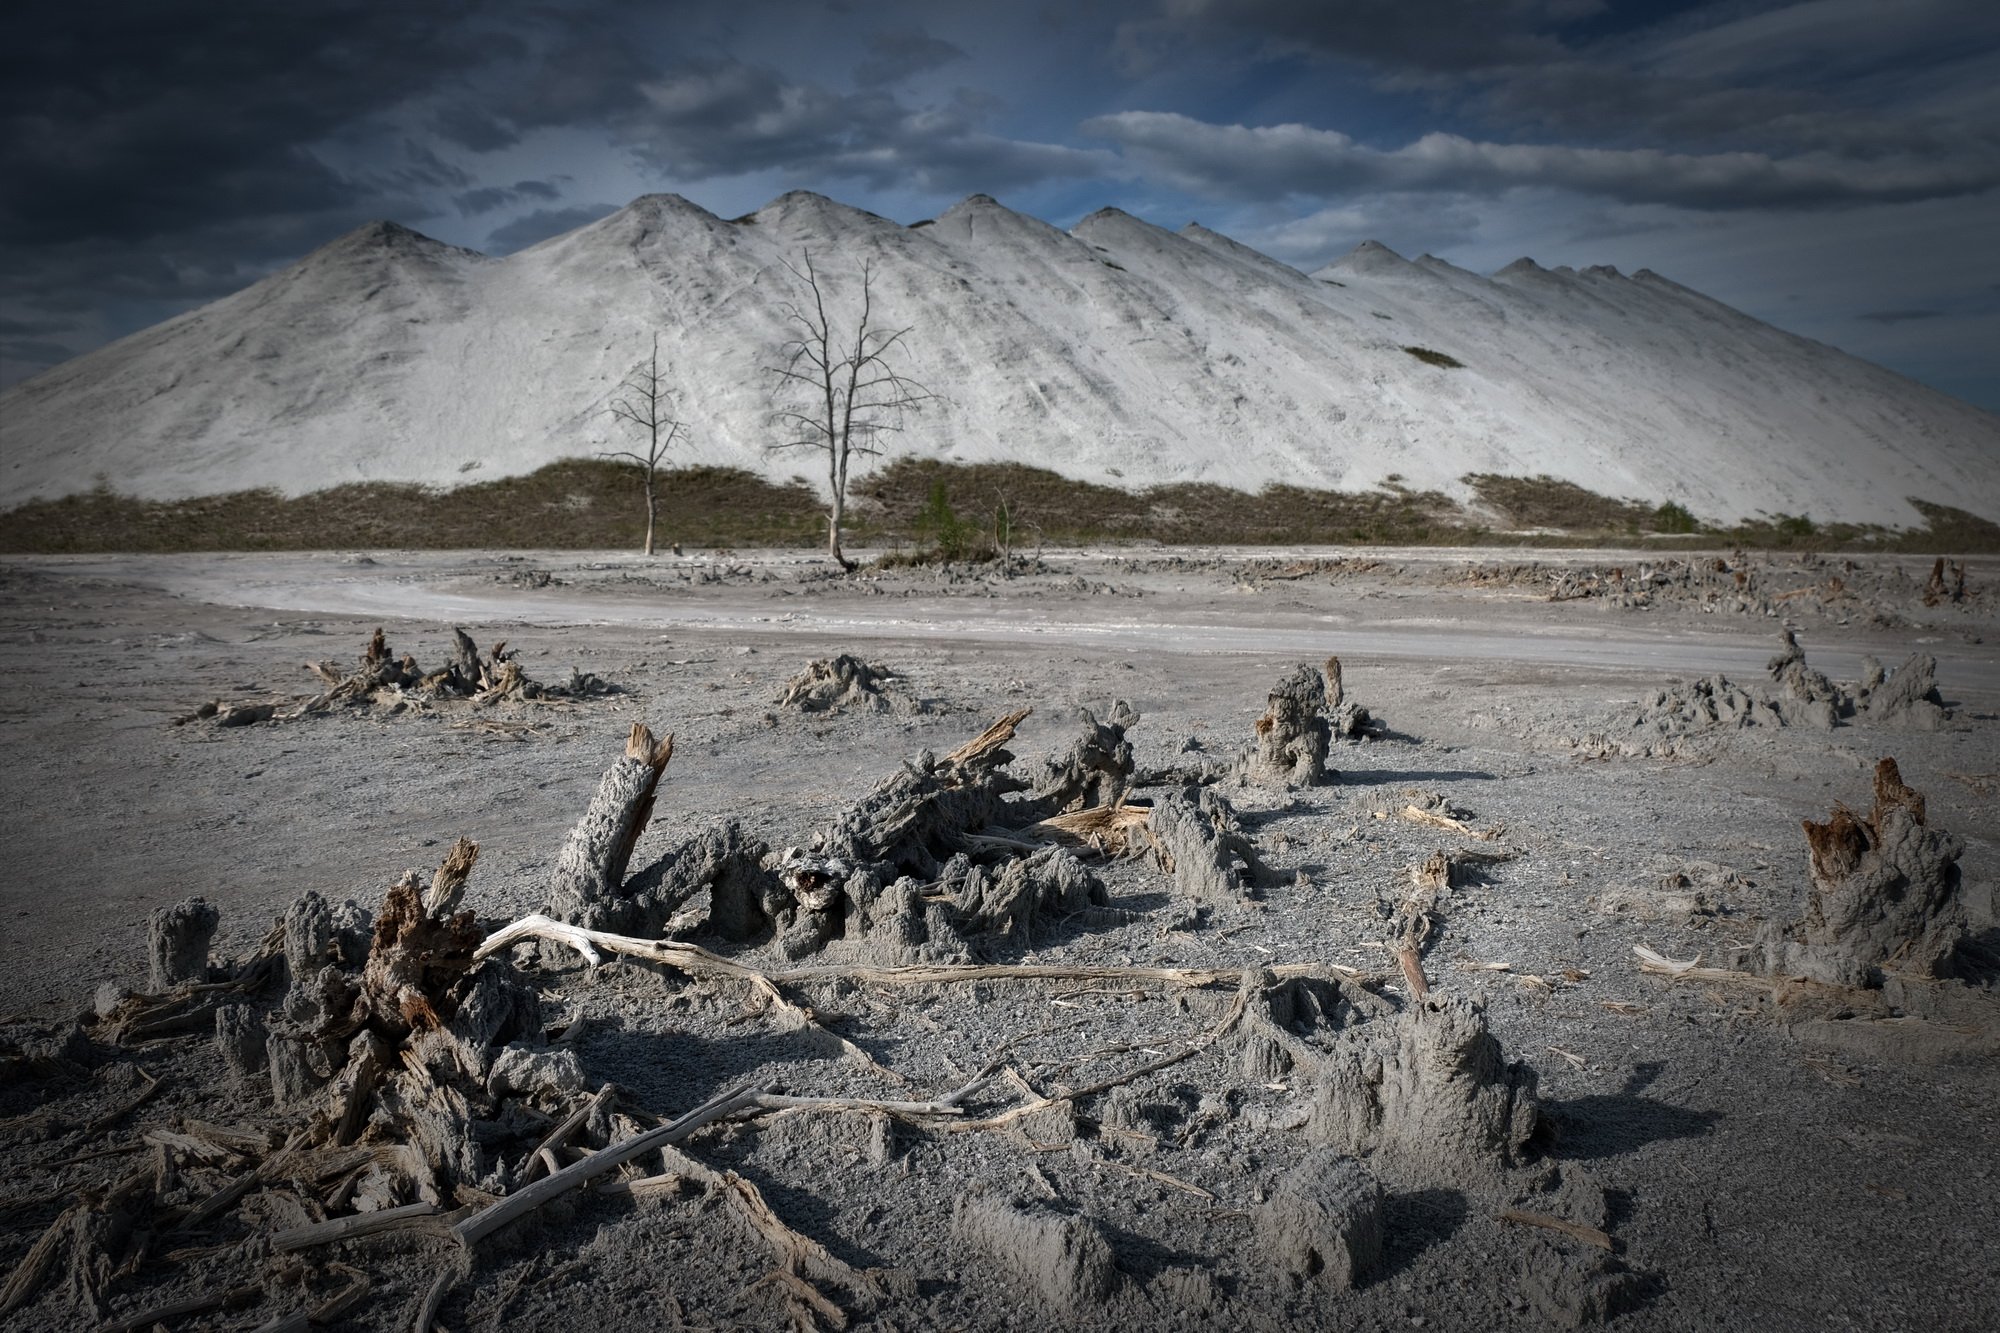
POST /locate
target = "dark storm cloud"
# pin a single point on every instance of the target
(1442, 36)
(730, 118)
(1244, 161)
(542, 224)
(589, 70)
(160, 116)
(488, 198)
(902, 53)
(1899, 316)
(159, 153)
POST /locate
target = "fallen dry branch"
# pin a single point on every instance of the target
(28, 1275)
(1223, 1028)
(349, 1228)
(228, 1299)
(699, 962)
(1574, 1230)
(491, 1219)
(572, 1122)
(1657, 964)
(1418, 815)
(117, 1113)
(1111, 830)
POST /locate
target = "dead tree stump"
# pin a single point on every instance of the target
(1095, 770)
(837, 682)
(413, 963)
(1908, 699)
(1437, 1088)
(1292, 736)
(1815, 700)
(1197, 840)
(1885, 894)
(591, 868)
(177, 944)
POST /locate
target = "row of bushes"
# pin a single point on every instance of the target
(925, 508)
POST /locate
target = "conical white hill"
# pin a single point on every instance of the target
(1117, 352)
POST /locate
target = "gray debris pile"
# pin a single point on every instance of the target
(1095, 770)
(907, 874)
(1198, 840)
(395, 684)
(1672, 722)
(1907, 700)
(833, 684)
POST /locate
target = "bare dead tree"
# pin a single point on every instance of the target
(647, 404)
(845, 390)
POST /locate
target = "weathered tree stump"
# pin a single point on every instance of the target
(1885, 894)
(591, 867)
(177, 944)
(1292, 735)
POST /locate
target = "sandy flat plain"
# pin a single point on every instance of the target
(1750, 1171)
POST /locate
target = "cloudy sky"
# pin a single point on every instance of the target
(1832, 166)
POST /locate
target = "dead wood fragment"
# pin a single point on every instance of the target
(413, 962)
(1095, 771)
(352, 1227)
(911, 821)
(1945, 584)
(1658, 964)
(33, 1269)
(448, 885)
(1111, 830)
(1291, 737)
(700, 962)
(113, 1116)
(1574, 1230)
(569, 1125)
(230, 1299)
(526, 1200)
(590, 870)
(226, 1197)
(983, 750)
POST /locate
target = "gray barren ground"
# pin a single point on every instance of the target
(1421, 1080)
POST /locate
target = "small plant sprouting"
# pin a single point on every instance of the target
(939, 523)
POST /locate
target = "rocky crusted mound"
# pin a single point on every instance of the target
(392, 684)
(1885, 894)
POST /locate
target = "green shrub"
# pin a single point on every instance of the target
(1674, 517)
(952, 537)
(1431, 358)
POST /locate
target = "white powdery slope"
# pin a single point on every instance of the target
(1116, 352)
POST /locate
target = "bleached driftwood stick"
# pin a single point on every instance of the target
(491, 1219)
(1658, 964)
(545, 1150)
(347, 1228)
(697, 961)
